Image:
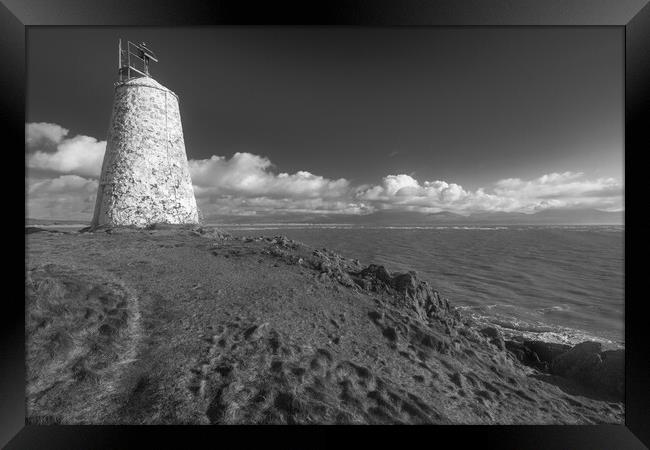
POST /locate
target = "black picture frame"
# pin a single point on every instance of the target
(632, 16)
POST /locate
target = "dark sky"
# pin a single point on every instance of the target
(468, 105)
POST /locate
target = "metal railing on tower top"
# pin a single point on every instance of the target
(133, 61)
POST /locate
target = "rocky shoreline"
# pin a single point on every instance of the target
(585, 363)
(388, 347)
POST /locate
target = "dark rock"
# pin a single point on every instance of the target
(490, 332)
(578, 362)
(284, 242)
(537, 354)
(495, 337)
(424, 299)
(363, 283)
(390, 333)
(378, 272)
(546, 351)
(588, 365)
(611, 375)
(405, 282)
(524, 354)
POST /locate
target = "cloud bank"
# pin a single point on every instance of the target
(64, 197)
(64, 170)
(554, 190)
(247, 184)
(49, 150)
(248, 175)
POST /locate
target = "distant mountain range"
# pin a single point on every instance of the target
(30, 221)
(388, 217)
(391, 217)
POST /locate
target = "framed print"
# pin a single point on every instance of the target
(354, 217)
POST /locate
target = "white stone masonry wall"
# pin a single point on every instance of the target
(145, 177)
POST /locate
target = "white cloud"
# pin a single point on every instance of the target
(80, 155)
(249, 176)
(248, 184)
(50, 150)
(556, 186)
(63, 197)
(554, 190)
(39, 133)
(231, 205)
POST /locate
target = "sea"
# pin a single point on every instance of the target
(561, 284)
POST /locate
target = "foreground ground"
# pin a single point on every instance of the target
(192, 326)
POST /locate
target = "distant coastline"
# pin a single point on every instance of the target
(244, 226)
(392, 218)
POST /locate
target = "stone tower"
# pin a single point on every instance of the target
(145, 177)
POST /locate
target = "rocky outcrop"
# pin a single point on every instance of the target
(585, 363)
(416, 293)
(404, 288)
(495, 337)
(537, 354)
